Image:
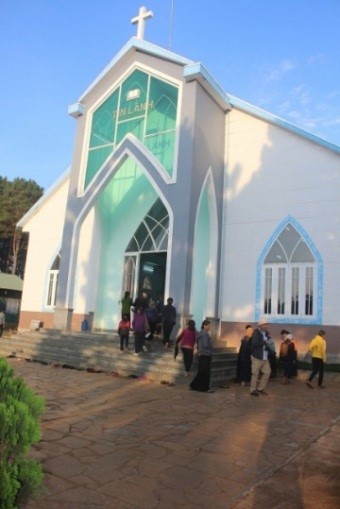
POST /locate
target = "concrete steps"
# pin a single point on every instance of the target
(100, 352)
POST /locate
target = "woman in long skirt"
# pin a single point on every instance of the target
(201, 382)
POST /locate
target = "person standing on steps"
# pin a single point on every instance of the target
(318, 350)
(260, 367)
(124, 333)
(187, 341)
(126, 303)
(140, 328)
(168, 321)
(201, 382)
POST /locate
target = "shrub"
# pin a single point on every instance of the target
(20, 412)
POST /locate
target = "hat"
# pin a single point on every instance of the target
(262, 321)
(289, 336)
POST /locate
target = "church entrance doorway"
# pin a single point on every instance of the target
(146, 254)
(151, 278)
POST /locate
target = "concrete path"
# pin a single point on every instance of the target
(130, 444)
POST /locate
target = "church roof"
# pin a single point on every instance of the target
(44, 198)
(196, 71)
(280, 122)
(145, 47)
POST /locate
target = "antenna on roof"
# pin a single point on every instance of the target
(171, 23)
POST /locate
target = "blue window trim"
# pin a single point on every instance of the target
(299, 320)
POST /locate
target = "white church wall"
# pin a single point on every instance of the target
(45, 231)
(271, 174)
(87, 265)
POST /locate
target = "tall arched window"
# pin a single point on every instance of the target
(53, 282)
(290, 277)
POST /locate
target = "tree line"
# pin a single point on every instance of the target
(16, 198)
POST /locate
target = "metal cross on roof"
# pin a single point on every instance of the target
(140, 21)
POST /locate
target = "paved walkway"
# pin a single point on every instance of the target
(128, 444)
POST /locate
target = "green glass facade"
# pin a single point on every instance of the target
(142, 105)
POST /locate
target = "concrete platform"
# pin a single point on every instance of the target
(122, 443)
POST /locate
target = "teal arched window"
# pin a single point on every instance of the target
(143, 105)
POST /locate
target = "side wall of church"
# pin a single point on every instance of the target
(45, 229)
(272, 173)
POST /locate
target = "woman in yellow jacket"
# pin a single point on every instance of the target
(318, 349)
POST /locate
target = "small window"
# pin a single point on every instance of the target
(53, 282)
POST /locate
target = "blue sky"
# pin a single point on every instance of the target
(282, 56)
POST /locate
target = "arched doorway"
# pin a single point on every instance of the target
(146, 254)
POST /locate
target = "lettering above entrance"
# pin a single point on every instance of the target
(142, 105)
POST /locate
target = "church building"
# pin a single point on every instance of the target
(177, 188)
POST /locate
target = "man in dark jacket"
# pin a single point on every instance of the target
(260, 366)
(168, 321)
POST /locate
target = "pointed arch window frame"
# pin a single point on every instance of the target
(52, 282)
(292, 319)
(171, 174)
(156, 243)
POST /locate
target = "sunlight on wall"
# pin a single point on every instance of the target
(247, 138)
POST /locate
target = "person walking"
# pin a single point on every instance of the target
(151, 314)
(201, 382)
(318, 349)
(244, 357)
(140, 327)
(260, 367)
(187, 340)
(287, 357)
(124, 333)
(126, 303)
(168, 321)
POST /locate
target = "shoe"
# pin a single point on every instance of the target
(309, 384)
(243, 384)
(254, 393)
(136, 353)
(210, 390)
(145, 349)
(322, 386)
(263, 393)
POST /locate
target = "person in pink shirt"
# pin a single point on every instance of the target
(187, 340)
